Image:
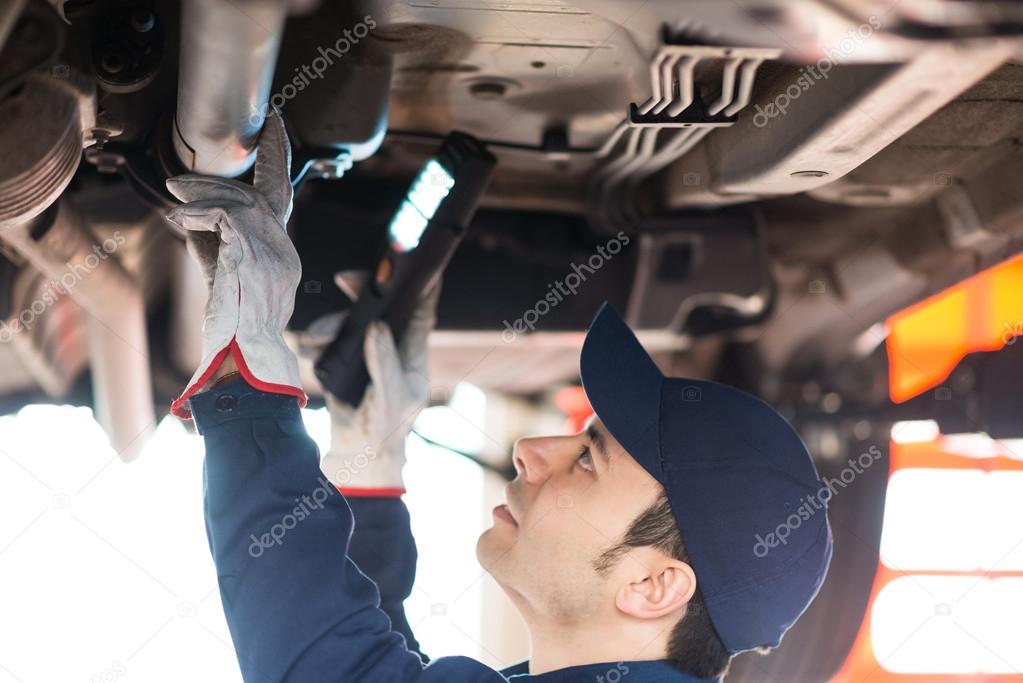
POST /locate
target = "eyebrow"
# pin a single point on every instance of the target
(599, 442)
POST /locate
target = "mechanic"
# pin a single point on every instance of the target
(628, 548)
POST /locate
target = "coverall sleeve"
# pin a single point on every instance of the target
(298, 608)
(383, 547)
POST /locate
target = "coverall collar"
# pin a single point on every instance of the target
(647, 671)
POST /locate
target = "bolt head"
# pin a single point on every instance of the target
(143, 21)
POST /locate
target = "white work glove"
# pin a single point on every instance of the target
(367, 444)
(236, 232)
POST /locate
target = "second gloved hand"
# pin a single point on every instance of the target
(367, 443)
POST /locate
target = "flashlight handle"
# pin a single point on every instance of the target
(392, 295)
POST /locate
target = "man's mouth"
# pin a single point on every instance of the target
(504, 514)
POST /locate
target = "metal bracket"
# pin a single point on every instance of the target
(676, 102)
(328, 163)
(964, 229)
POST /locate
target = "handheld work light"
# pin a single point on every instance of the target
(422, 236)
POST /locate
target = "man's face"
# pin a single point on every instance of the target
(573, 497)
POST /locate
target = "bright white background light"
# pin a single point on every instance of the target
(910, 431)
(949, 624)
(105, 571)
(953, 520)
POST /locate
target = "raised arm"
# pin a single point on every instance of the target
(367, 454)
(384, 549)
(298, 608)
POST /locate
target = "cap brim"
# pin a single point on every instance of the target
(623, 386)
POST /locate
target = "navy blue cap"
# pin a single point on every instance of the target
(744, 491)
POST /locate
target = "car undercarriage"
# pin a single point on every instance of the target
(757, 186)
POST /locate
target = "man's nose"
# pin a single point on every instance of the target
(536, 458)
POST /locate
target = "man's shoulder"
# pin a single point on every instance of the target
(458, 668)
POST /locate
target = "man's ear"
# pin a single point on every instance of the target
(665, 587)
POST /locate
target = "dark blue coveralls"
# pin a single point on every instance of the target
(300, 610)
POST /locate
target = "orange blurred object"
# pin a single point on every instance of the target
(862, 665)
(573, 403)
(925, 343)
(927, 340)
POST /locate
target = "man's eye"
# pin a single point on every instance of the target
(585, 459)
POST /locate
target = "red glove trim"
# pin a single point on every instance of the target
(257, 383)
(396, 492)
(179, 408)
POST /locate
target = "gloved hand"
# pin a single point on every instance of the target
(367, 443)
(251, 267)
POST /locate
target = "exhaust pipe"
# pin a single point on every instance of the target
(228, 55)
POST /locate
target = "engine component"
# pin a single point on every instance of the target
(41, 143)
(128, 50)
(45, 126)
